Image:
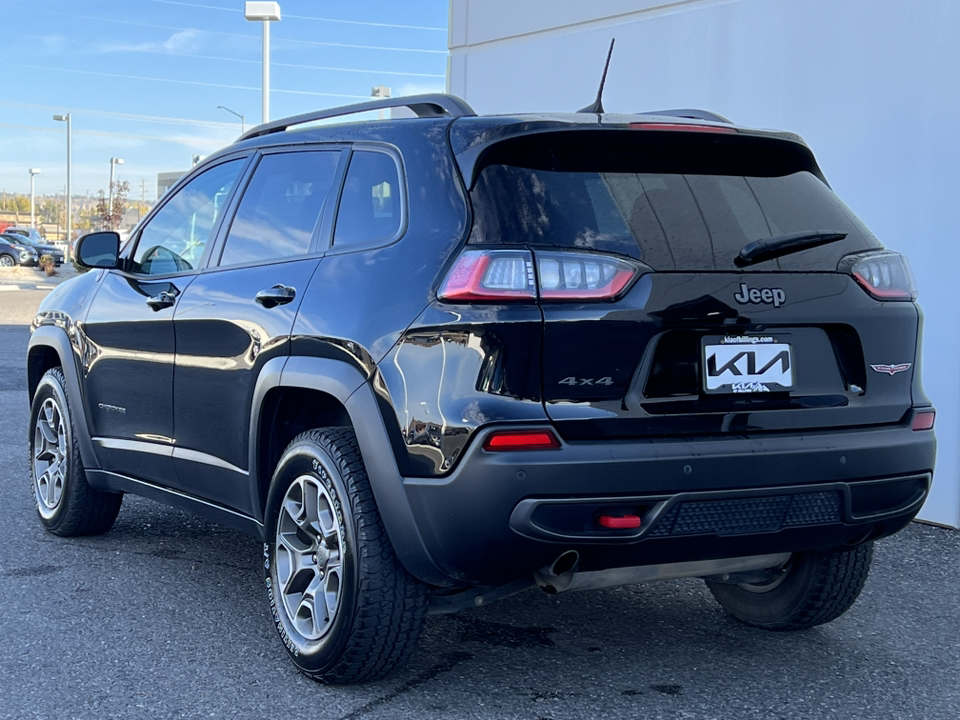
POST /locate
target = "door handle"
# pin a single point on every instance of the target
(277, 295)
(161, 300)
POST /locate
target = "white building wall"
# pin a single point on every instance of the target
(874, 87)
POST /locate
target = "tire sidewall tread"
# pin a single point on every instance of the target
(819, 588)
(82, 510)
(382, 607)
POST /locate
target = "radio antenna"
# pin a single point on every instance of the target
(597, 106)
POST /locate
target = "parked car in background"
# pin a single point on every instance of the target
(14, 251)
(42, 248)
(27, 232)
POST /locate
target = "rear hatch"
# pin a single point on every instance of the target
(654, 325)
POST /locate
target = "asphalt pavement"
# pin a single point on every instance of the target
(166, 616)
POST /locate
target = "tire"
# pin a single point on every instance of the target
(66, 504)
(322, 516)
(7, 261)
(814, 589)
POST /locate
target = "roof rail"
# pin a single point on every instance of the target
(430, 105)
(692, 114)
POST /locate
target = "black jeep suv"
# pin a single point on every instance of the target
(435, 361)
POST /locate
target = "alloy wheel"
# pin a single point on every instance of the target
(49, 457)
(309, 557)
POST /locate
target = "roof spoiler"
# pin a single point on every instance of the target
(691, 114)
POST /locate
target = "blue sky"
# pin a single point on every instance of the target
(143, 78)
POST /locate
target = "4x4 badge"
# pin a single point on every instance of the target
(891, 369)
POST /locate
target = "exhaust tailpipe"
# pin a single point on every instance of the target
(562, 575)
(557, 576)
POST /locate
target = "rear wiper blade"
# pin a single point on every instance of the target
(775, 247)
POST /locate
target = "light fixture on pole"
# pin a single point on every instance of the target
(265, 12)
(32, 171)
(113, 161)
(243, 127)
(69, 193)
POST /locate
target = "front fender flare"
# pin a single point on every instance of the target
(55, 338)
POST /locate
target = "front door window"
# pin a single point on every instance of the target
(175, 239)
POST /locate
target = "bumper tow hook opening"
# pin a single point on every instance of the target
(557, 576)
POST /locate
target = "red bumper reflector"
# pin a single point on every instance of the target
(619, 523)
(924, 420)
(522, 440)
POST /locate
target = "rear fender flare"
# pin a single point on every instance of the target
(353, 390)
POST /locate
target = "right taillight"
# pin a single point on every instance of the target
(582, 276)
(521, 275)
(885, 275)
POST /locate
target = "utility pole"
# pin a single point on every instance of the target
(143, 195)
(380, 91)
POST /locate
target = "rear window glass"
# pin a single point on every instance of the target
(669, 220)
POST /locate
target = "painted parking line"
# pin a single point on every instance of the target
(26, 287)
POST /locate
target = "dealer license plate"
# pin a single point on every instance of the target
(746, 364)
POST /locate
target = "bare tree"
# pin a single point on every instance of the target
(111, 218)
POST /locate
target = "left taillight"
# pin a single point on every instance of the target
(490, 275)
(884, 275)
(521, 275)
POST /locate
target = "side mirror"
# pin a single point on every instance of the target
(98, 250)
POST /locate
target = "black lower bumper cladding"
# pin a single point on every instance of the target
(501, 516)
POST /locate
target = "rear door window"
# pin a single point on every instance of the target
(281, 207)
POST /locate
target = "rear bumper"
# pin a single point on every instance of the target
(500, 516)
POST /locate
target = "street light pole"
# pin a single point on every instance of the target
(32, 171)
(266, 71)
(113, 161)
(243, 127)
(265, 12)
(69, 193)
